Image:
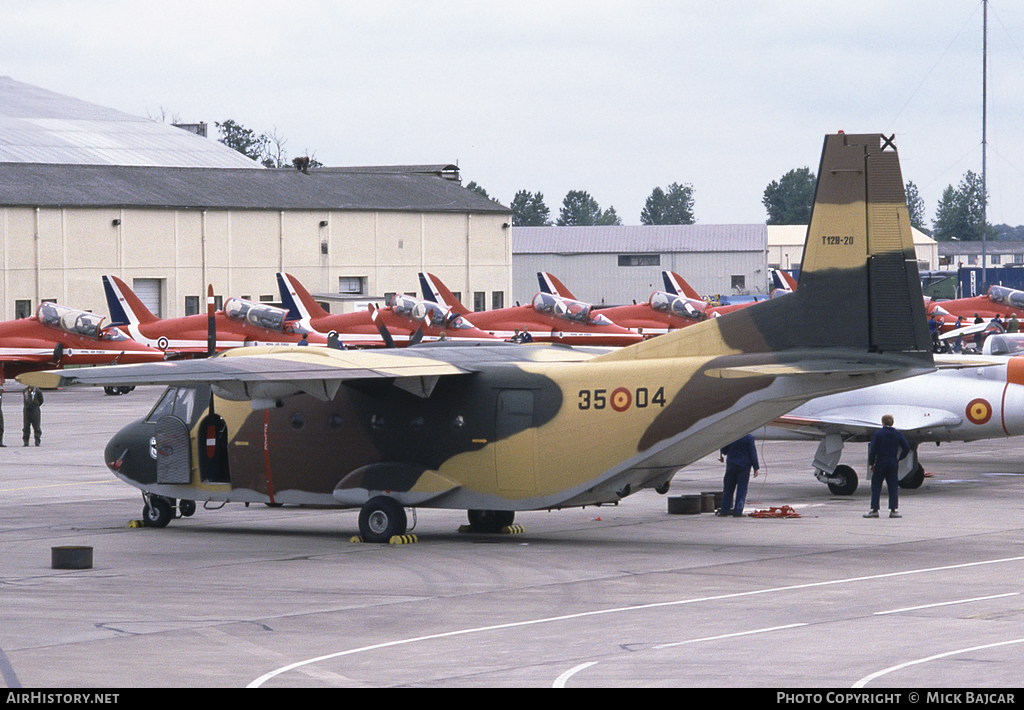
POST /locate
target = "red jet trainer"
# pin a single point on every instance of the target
(240, 323)
(405, 321)
(1000, 301)
(662, 313)
(548, 318)
(58, 336)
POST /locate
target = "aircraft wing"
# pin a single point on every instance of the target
(863, 420)
(266, 374)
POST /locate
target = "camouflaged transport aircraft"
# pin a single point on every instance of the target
(500, 428)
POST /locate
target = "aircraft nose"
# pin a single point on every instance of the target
(127, 454)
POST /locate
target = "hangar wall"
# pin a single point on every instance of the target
(60, 253)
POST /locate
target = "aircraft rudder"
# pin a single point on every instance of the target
(859, 259)
(125, 307)
(435, 290)
(300, 299)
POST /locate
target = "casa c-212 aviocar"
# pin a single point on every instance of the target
(499, 428)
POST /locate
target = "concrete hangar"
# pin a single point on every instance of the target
(86, 190)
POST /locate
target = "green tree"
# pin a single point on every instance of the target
(237, 137)
(579, 209)
(789, 199)
(529, 210)
(958, 215)
(915, 204)
(672, 207)
(609, 217)
(268, 150)
(477, 189)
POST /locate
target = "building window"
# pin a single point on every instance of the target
(23, 308)
(479, 300)
(352, 285)
(739, 282)
(996, 259)
(497, 300)
(191, 305)
(639, 260)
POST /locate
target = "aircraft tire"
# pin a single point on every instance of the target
(490, 521)
(381, 518)
(915, 478)
(848, 484)
(157, 513)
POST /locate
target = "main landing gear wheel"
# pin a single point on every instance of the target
(490, 521)
(157, 512)
(847, 483)
(382, 518)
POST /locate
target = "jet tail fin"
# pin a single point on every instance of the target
(549, 283)
(125, 307)
(297, 300)
(676, 284)
(435, 290)
(859, 288)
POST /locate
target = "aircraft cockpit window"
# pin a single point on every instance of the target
(457, 322)
(669, 303)
(114, 335)
(1006, 296)
(418, 309)
(179, 401)
(257, 314)
(70, 320)
(1000, 344)
(562, 307)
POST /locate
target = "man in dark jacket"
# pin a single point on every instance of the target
(33, 399)
(888, 447)
(739, 456)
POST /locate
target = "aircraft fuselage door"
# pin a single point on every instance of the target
(515, 441)
(212, 448)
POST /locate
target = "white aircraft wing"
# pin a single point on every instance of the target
(863, 420)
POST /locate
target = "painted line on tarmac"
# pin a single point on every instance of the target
(729, 636)
(618, 610)
(958, 601)
(867, 679)
(561, 680)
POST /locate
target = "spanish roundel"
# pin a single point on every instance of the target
(979, 411)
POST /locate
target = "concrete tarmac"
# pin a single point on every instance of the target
(599, 597)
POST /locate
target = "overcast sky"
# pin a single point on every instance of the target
(610, 97)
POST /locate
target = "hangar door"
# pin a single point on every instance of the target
(148, 291)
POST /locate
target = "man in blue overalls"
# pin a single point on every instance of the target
(739, 456)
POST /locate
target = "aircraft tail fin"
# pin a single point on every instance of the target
(297, 300)
(435, 290)
(125, 307)
(676, 284)
(859, 290)
(782, 280)
(549, 283)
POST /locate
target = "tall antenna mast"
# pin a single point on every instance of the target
(984, 144)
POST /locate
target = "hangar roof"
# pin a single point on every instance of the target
(638, 239)
(40, 126)
(427, 188)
